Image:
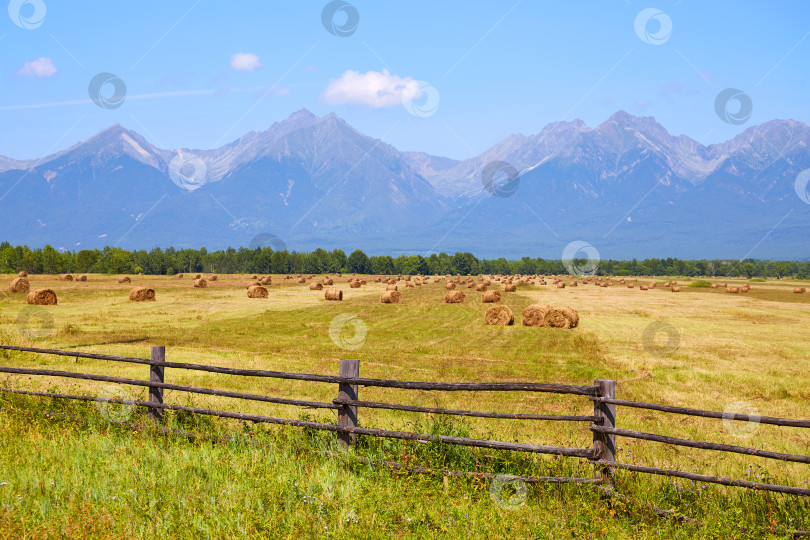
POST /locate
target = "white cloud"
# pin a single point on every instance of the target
(245, 62)
(372, 89)
(41, 67)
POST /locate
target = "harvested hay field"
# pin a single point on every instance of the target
(731, 349)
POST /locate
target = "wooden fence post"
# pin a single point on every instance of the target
(605, 413)
(156, 375)
(347, 414)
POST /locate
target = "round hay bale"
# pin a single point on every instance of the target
(509, 288)
(213, 278)
(254, 277)
(480, 287)
(333, 294)
(745, 288)
(362, 282)
(179, 276)
(450, 286)
(354, 284)
(82, 279)
(328, 281)
(142, 294)
(19, 285)
(200, 283)
(198, 276)
(390, 287)
(675, 289)
(391, 297)
(491, 297)
(23, 274)
(732, 290)
(713, 286)
(124, 279)
(629, 285)
(302, 280)
(268, 280)
(643, 287)
(65, 277)
(257, 291)
(408, 284)
(534, 314)
(454, 297)
(315, 287)
(799, 290)
(561, 317)
(42, 297)
(560, 285)
(500, 315)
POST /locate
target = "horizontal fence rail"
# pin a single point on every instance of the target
(710, 479)
(457, 412)
(167, 386)
(583, 390)
(705, 414)
(602, 423)
(702, 445)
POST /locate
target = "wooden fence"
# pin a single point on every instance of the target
(602, 423)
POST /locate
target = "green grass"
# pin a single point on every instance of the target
(83, 477)
(702, 284)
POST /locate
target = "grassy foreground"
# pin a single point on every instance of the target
(89, 477)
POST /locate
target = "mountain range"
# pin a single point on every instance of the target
(627, 187)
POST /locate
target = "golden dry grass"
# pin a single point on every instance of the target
(744, 352)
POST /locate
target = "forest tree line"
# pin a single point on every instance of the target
(113, 260)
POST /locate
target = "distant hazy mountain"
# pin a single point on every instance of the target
(627, 187)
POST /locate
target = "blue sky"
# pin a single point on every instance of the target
(202, 73)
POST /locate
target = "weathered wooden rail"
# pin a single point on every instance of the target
(602, 423)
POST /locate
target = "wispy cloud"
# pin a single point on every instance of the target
(371, 89)
(245, 62)
(42, 67)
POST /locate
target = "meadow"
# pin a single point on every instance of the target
(66, 471)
